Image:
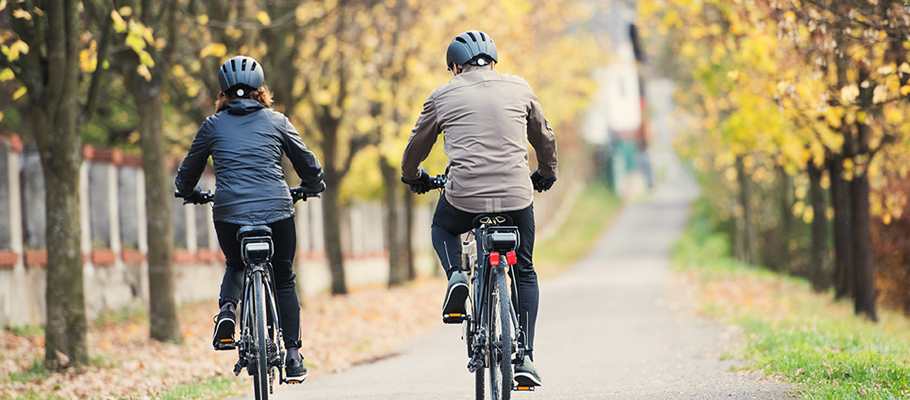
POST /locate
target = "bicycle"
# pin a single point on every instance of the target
(491, 327)
(259, 347)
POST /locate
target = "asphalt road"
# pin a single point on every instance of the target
(613, 327)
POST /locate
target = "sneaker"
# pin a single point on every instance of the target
(294, 370)
(526, 374)
(223, 338)
(453, 310)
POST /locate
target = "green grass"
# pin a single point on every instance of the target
(217, 388)
(36, 372)
(594, 208)
(804, 337)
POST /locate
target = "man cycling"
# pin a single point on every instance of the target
(488, 118)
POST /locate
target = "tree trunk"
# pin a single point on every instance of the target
(785, 226)
(746, 235)
(331, 216)
(820, 260)
(164, 325)
(408, 239)
(53, 105)
(398, 273)
(863, 272)
(843, 241)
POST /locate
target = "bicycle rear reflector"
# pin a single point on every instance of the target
(494, 258)
(511, 258)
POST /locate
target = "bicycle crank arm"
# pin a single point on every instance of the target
(475, 364)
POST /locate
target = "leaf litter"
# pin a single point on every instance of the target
(337, 332)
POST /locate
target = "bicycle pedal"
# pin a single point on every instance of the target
(524, 388)
(453, 318)
(225, 344)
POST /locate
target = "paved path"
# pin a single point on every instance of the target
(609, 328)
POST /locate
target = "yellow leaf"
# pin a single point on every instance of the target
(178, 71)
(213, 49)
(808, 215)
(144, 71)
(1, 112)
(263, 18)
(2, 5)
(20, 13)
(887, 219)
(6, 75)
(848, 93)
(364, 124)
(19, 93)
(323, 97)
(734, 75)
(905, 90)
(798, 208)
(202, 19)
(904, 68)
(119, 23)
(125, 11)
(880, 94)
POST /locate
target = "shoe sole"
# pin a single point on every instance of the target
(526, 379)
(224, 330)
(454, 304)
(296, 379)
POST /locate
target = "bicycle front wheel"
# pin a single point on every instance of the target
(501, 337)
(260, 342)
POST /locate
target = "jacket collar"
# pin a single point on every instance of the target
(244, 106)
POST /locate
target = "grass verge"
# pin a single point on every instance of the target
(794, 333)
(594, 208)
(217, 388)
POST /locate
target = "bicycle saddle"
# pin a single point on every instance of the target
(253, 230)
(492, 220)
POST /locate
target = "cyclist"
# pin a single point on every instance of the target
(488, 118)
(246, 139)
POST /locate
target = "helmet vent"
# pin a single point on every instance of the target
(233, 65)
(253, 68)
(471, 34)
(243, 65)
(482, 37)
(461, 40)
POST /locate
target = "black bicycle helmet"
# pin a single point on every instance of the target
(242, 73)
(470, 48)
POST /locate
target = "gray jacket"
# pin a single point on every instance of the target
(246, 142)
(488, 119)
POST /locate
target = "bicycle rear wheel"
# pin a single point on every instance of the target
(500, 338)
(260, 342)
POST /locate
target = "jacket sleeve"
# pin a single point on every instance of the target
(194, 164)
(305, 163)
(422, 139)
(541, 137)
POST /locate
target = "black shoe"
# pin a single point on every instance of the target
(223, 339)
(453, 309)
(294, 371)
(526, 374)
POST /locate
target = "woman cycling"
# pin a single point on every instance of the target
(246, 139)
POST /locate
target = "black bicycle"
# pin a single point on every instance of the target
(259, 346)
(491, 327)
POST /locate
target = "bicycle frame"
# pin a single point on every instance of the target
(478, 327)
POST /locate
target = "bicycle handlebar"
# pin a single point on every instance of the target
(297, 194)
(438, 181)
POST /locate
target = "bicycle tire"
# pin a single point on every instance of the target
(261, 370)
(501, 343)
(478, 384)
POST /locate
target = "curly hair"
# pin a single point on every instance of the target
(263, 95)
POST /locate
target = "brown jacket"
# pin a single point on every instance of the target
(488, 118)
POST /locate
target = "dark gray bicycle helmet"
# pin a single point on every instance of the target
(471, 47)
(240, 72)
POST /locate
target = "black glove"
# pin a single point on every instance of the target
(195, 197)
(540, 183)
(317, 188)
(420, 185)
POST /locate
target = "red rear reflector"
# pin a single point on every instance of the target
(494, 258)
(511, 258)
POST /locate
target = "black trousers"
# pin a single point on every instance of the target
(284, 238)
(448, 225)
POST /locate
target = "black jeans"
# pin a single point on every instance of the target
(448, 225)
(284, 238)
